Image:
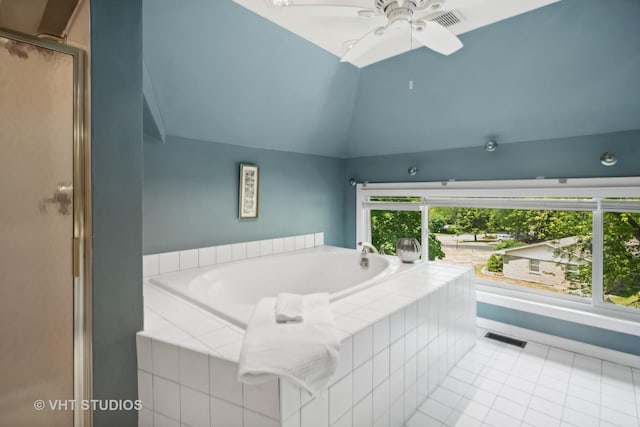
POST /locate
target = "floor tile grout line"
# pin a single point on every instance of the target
(568, 361)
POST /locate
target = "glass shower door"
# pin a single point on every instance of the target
(36, 234)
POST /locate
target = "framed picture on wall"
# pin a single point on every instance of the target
(249, 191)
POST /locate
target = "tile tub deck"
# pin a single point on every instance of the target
(399, 339)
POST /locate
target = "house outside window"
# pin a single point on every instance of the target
(569, 241)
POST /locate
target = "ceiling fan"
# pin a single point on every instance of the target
(389, 17)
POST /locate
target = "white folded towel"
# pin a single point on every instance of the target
(289, 308)
(304, 353)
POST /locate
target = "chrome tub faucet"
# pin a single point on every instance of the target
(367, 248)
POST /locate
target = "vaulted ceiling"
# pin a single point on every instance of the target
(215, 71)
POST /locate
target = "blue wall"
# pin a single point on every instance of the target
(575, 331)
(116, 174)
(576, 157)
(567, 69)
(222, 73)
(191, 195)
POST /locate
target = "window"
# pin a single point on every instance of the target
(517, 248)
(577, 240)
(534, 266)
(621, 266)
(387, 226)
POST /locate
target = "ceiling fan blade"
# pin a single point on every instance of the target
(341, 11)
(363, 45)
(437, 38)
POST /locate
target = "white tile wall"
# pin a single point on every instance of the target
(381, 401)
(253, 249)
(238, 251)
(397, 325)
(206, 256)
(289, 244)
(168, 262)
(266, 247)
(150, 265)
(166, 397)
(145, 418)
(396, 356)
(252, 419)
(160, 420)
(183, 260)
(194, 407)
(362, 346)
(362, 380)
(344, 421)
(223, 383)
(289, 399)
(381, 366)
(145, 389)
(188, 259)
(363, 412)
(380, 335)
(278, 246)
(309, 241)
(143, 346)
(223, 254)
(225, 414)
(345, 362)
(315, 413)
(387, 367)
(166, 360)
(384, 376)
(262, 398)
(194, 370)
(299, 242)
(340, 398)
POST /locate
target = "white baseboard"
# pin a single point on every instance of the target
(563, 343)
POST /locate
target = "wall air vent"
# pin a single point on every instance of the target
(506, 340)
(448, 19)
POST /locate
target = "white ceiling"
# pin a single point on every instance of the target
(334, 33)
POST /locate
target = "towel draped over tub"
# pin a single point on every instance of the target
(305, 353)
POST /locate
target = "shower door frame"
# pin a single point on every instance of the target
(82, 259)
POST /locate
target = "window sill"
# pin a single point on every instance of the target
(560, 308)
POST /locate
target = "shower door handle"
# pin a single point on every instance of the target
(62, 197)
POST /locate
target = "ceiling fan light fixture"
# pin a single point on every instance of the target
(367, 13)
(281, 3)
(349, 43)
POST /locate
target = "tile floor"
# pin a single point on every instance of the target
(502, 385)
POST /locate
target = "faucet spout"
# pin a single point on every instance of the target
(367, 248)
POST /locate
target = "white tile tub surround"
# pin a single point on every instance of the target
(389, 365)
(202, 257)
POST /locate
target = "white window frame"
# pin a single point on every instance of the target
(572, 269)
(531, 264)
(512, 194)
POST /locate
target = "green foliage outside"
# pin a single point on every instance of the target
(495, 263)
(621, 276)
(621, 264)
(389, 226)
(533, 226)
(506, 244)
